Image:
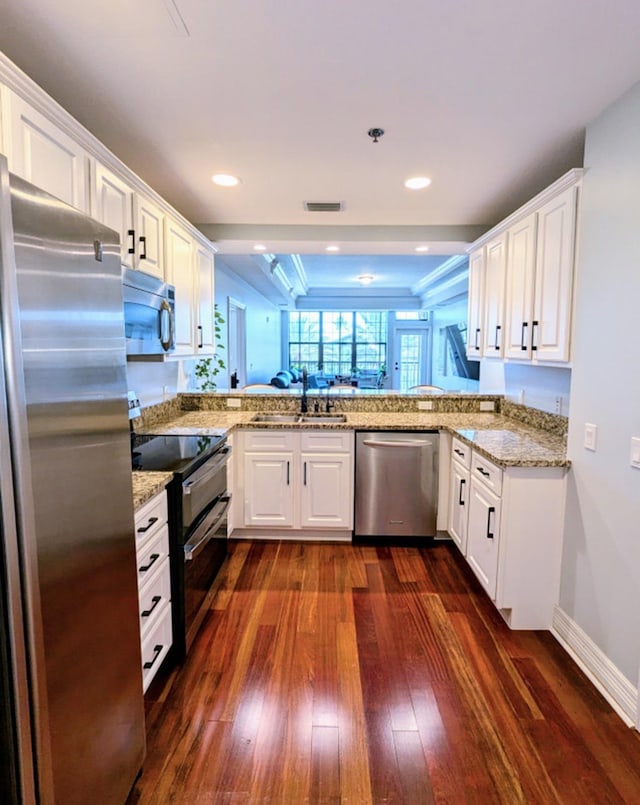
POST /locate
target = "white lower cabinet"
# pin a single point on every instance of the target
(508, 523)
(154, 584)
(296, 480)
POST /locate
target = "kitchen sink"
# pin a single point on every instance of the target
(276, 418)
(324, 419)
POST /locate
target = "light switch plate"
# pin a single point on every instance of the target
(233, 402)
(487, 405)
(635, 452)
(425, 405)
(590, 436)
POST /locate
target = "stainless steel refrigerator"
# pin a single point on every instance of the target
(71, 713)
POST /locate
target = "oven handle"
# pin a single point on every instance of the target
(213, 466)
(206, 529)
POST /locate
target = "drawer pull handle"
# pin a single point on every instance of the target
(534, 346)
(150, 522)
(476, 345)
(156, 600)
(152, 560)
(489, 531)
(460, 500)
(458, 452)
(483, 472)
(143, 243)
(304, 468)
(156, 653)
(523, 336)
(132, 234)
(497, 344)
(288, 474)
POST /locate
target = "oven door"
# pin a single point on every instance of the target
(204, 553)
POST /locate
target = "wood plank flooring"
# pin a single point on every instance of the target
(333, 673)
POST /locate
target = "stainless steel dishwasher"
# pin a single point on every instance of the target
(396, 484)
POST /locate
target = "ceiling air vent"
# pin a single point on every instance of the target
(323, 206)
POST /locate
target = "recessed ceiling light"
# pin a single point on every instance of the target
(417, 183)
(332, 249)
(422, 248)
(259, 247)
(225, 180)
(365, 279)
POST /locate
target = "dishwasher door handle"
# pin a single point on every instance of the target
(405, 443)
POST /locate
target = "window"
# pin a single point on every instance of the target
(338, 343)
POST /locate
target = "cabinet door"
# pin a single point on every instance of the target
(483, 540)
(41, 153)
(268, 489)
(112, 205)
(180, 273)
(205, 300)
(326, 498)
(495, 270)
(521, 264)
(554, 278)
(476, 305)
(459, 505)
(149, 236)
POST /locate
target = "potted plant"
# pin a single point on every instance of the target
(207, 369)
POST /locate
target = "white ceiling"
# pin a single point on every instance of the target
(489, 99)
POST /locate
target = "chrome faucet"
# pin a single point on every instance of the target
(305, 386)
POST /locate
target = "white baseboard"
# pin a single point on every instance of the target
(607, 678)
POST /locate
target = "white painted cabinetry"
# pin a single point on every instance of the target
(523, 309)
(494, 281)
(296, 480)
(154, 584)
(43, 153)
(509, 527)
(180, 273)
(475, 323)
(205, 300)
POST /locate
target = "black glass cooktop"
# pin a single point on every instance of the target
(179, 454)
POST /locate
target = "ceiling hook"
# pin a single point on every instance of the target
(375, 134)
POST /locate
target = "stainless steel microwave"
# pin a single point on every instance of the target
(149, 314)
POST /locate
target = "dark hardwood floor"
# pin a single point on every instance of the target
(329, 673)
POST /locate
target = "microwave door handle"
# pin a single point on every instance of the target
(204, 533)
(165, 315)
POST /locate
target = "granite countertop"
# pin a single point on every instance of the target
(505, 441)
(147, 485)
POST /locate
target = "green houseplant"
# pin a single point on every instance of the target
(207, 369)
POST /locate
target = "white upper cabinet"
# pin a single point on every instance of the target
(112, 205)
(494, 282)
(43, 154)
(149, 237)
(551, 326)
(476, 304)
(521, 262)
(527, 265)
(205, 300)
(179, 255)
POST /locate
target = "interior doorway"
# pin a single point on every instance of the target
(411, 364)
(236, 343)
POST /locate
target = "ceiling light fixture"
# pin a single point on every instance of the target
(365, 279)
(417, 183)
(259, 247)
(422, 248)
(332, 249)
(225, 180)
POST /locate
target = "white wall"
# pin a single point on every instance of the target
(600, 588)
(264, 356)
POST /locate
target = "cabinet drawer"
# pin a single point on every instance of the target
(155, 646)
(150, 518)
(154, 594)
(268, 441)
(461, 452)
(485, 470)
(326, 441)
(152, 554)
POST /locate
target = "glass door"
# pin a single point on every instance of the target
(410, 358)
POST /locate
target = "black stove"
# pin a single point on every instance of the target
(171, 453)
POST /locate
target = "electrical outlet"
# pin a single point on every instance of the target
(557, 405)
(425, 405)
(487, 405)
(233, 402)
